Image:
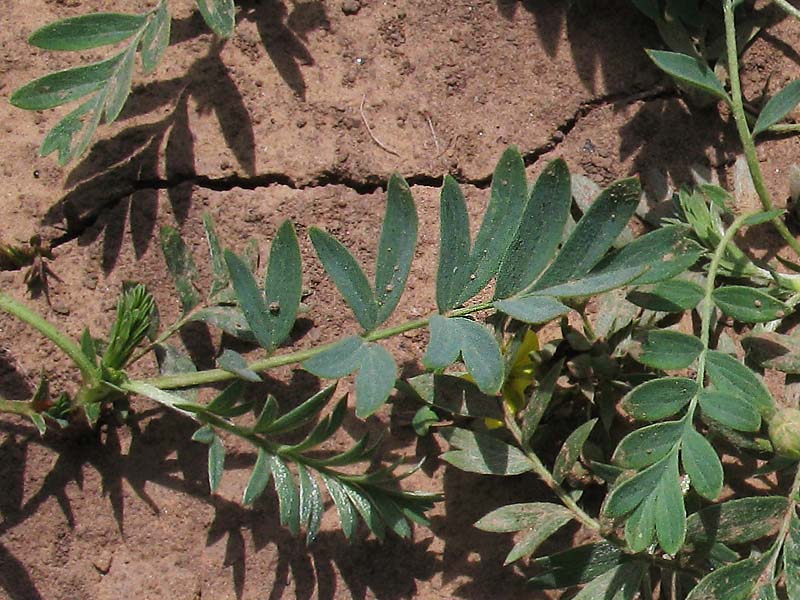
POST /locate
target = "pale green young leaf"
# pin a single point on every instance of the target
(88, 346)
(311, 505)
(729, 375)
(259, 478)
(516, 517)
(65, 86)
(347, 514)
(659, 398)
(87, 31)
(288, 495)
(181, 267)
(396, 247)
(118, 87)
(736, 581)
(38, 421)
(571, 450)
(674, 295)
(216, 463)
(670, 350)
(701, 464)
(454, 245)
(620, 583)
(483, 453)
(509, 197)
(283, 284)
(539, 232)
(648, 445)
(577, 565)
(791, 559)
(219, 15)
(303, 413)
(156, 38)
(670, 512)
(748, 305)
(235, 363)
(375, 380)
(689, 71)
(250, 299)
(640, 526)
(737, 521)
(626, 496)
(731, 410)
(594, 234)
(346, 273)
(532, 309)
(339, 360)
(780, 105)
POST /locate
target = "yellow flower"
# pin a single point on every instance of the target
(520, 378)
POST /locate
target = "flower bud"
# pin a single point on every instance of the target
(784, 432)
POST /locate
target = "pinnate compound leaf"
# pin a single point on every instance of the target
(620, 583)
(731, 410)
(283, 284)
(780, 105)
(396, 247)
(689, 71)
(729, 375)
(532, 309)
(738, 521)
(87, 31)
(539, 232)
(259, 478)
(670, 350)
(594, 234)
(216, 463)
(288, 495)
(748, 305)
(648, 445)
(791, 559)
(736, 581)
(375, 380)
(454, 246)
(670, 512)
(674, 295)
(348, 276)
(577, 565)
(181, 267)
(219, 15)
(501, 220)
(482, 453)
(659, 398)
(233, 362)
(156, 39)
(701, 464)
(571, 450)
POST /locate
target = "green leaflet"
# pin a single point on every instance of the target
(670, 350)
(229, 319)
(259, 478)
(594, 234)
(577, 565)
(454, 394)
(736, 581)
(648, 445)
(219, 15)
(539, 232)
(216, 463)
(227, 403)
(701, 464)
(156, 38)
(516, 517)
(659, 398)
(532, 309)
(729, 375)
(454, 245)
(233, 362)
(219, 269)
(87, 31)
(300, 415)
(731, 410)
(341, 359)
(737, 521)
(181, 266)
(537, 404)
(626, 496)
(345, 509)
(791, 559)
(396, 247)
(674, 295)
(774, 351)
(283, 284)
(593, 283)
(748, 305)
(288, 495)
(311, 506)
(780, 105)
(118, 87)
(620, 583)
(571, 450)
(670, 513)
(689, 71)
(482, 453)
(376, 378)
(640, 527)
(535, 537)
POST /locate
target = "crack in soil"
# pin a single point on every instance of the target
(366, 186)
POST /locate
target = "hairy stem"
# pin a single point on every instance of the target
(737, 107)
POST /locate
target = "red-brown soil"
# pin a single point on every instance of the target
(268, 126)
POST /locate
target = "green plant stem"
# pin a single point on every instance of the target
(183, 380)
(17, 407)
(788, 8)
(737, 106)
(784, 128)
(787, 522)
(51, 332)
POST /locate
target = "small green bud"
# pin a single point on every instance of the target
(784, 432)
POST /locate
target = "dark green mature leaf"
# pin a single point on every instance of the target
(219, 15)
(535, 537)
(65, 86)
(571, 450)
(738, 521)
(670, 350)
(300, 415)
(532, 309)
(375, 380)
(674, 295)
(156, 38)
(670, 513)
(689, 71)
(216, 463)
(626, 496)
(288, 495)
(346, 273)
(640, 527)
(648, 445)
(780, 105)
(539, 233)
(454, 246)
(501, 220)
(701, 464)
(791, 559)
(259, 478)
(283, 284)
(367, 510)
(736, 581)
(87, 31)
(594, 234)
(251, 299)
(577, 565)
(396, 248)
(483, 453)
(659, 398)
(311, 504)
(181, 267)
(339, 360)
(233, 362)
(748, 305)
(731, 410)
(516, 517)
(227, 402)
(729, 375)
(444, 345)
(347, 514)
(620, 583)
